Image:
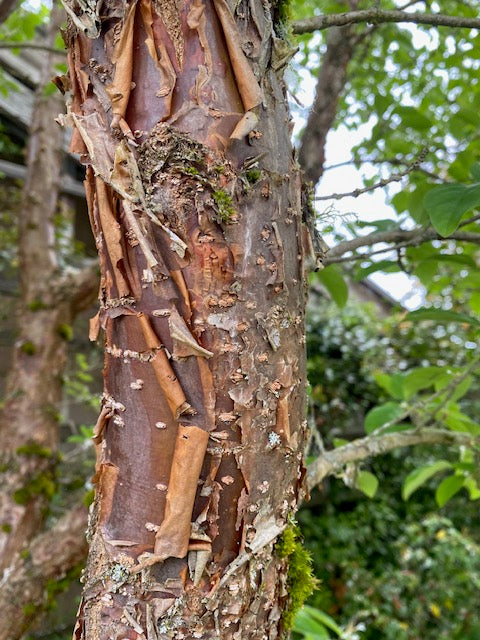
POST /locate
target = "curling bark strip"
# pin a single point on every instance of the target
(202, 299)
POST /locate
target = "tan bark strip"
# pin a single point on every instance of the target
(177, 277)
(184, 344)
(283, 420)
(168, 77)
(106, 488)
(247, 84)
(172, 539)
(164, 373)
(119, 90)
(139, 235)
(112, 234)
(196, 20)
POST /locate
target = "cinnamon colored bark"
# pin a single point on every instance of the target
(201, 433)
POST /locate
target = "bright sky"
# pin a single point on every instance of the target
(367, 207)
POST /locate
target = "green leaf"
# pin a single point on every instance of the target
(421, 378)
(471, 486)
(475, 302)
(448, 488)
(309, 627)
(387, 266)
(380, 225)
(419, 476)
(447, 203)
(324, 619)
(441, 315)
(475, 171)
(367, 483)
(332, 279)
(382, 415)
(393, 385)
(413, 118)
(456, 420)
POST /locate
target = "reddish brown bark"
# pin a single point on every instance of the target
(201, 434)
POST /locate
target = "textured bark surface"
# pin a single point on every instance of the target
(194, 199)
(33, 577)
(29, 423)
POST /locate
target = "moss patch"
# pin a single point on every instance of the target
(37, 305)
(224, 205)
(42, 483)
(301, 581)
(65, 331)
(34, 449)
(28, 348)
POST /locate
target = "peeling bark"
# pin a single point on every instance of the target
(200, 438)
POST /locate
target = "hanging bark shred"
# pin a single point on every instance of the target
(202, 298)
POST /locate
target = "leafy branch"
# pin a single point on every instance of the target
(378, 16)
(330, 462)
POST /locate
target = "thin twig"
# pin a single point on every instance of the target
(377, 16)
(397, 237)
(31, 45)
(395, 177)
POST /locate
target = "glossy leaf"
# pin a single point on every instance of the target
(324, 619)
(308, 627)
(382, 415)
(421, 378)
(447, 203)
(332, 279)
(441, 315)
(367, 483)
(419, 476)
(448, 488)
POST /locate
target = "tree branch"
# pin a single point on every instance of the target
(50, 557)
(332, 461)
(395, 177)
(79, 286)
(331, 80)
(377, 16)
(396, 237)
(31, 45)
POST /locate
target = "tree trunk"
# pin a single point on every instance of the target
(29, 425)
(194, 200)
(49, 299)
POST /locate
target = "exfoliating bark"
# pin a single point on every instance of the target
(194, 200)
